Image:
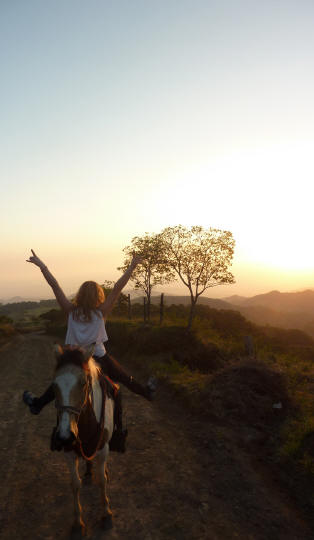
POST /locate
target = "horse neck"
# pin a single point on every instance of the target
(97, 394)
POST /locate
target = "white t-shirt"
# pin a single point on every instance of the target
(84, 333)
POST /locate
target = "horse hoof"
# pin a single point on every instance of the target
(106, 523)
(77, 532)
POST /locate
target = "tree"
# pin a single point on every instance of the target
(153, 270)
(200, 258)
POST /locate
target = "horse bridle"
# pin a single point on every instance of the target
(75, 410)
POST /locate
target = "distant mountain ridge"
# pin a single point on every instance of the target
(294, 302)
(236, 299)
(18, 299)
(185, 300)
(302, 301)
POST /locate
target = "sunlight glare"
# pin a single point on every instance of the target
(263, 197)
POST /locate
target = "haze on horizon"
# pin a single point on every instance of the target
(120, 118)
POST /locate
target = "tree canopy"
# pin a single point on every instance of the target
(199, 257)
(153, 270)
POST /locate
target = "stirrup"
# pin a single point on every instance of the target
(118, 440)
(55, 444)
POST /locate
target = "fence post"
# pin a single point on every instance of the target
(161, 312)
(249, 346)
(129, 307)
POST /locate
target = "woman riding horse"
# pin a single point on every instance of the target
(86, 325)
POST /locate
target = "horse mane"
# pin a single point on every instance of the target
(76, 357)
(94, 368)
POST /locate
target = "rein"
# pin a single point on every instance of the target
(69, 409)
(78, 445)
(76, 410)
(102, 429)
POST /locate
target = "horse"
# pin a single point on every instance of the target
(85, 423)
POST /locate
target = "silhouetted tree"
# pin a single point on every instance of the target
(200, 258)
(153, 270)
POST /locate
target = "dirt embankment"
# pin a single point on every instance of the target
(180, 479)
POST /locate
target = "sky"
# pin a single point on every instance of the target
(120, 118)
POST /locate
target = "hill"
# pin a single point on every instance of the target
(185, 300)
(235, 299)
(288, 301)
(284, 310)
(18, 310)
(19, 299)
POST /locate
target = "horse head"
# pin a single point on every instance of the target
(71, 387)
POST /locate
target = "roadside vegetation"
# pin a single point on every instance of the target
(24, 316)
(6, 328)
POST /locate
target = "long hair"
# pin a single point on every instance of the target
(89, 296)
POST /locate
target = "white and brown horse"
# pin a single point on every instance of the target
(85, 422)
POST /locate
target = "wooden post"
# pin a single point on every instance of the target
(129, 307)
(161, 312)
(249, 346)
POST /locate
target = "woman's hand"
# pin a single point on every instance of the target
(36, 260)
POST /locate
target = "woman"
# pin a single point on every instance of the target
(86, 326)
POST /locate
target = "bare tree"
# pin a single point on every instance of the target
(200, 258)
(153, 270)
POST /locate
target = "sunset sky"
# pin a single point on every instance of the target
(120, 117)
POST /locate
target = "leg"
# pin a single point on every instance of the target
(88, 476)
(102, 473)
(115, 371)
(117, 415)
(119, 435)
(36, 404)
(73, 460)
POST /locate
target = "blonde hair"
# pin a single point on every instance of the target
(89, 296)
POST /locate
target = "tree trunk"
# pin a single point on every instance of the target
(161, 312)
(148, 308)
(192, 313)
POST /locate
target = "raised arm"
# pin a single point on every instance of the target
(62, 300)
(108, 304)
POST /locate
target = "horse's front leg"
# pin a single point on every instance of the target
(88, 476)
(78, 525)
(102, 478)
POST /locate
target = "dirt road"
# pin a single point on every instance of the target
(180, 479)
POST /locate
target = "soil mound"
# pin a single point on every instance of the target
(249, 393)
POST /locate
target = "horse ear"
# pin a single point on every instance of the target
(88, 352)
(58, 350)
